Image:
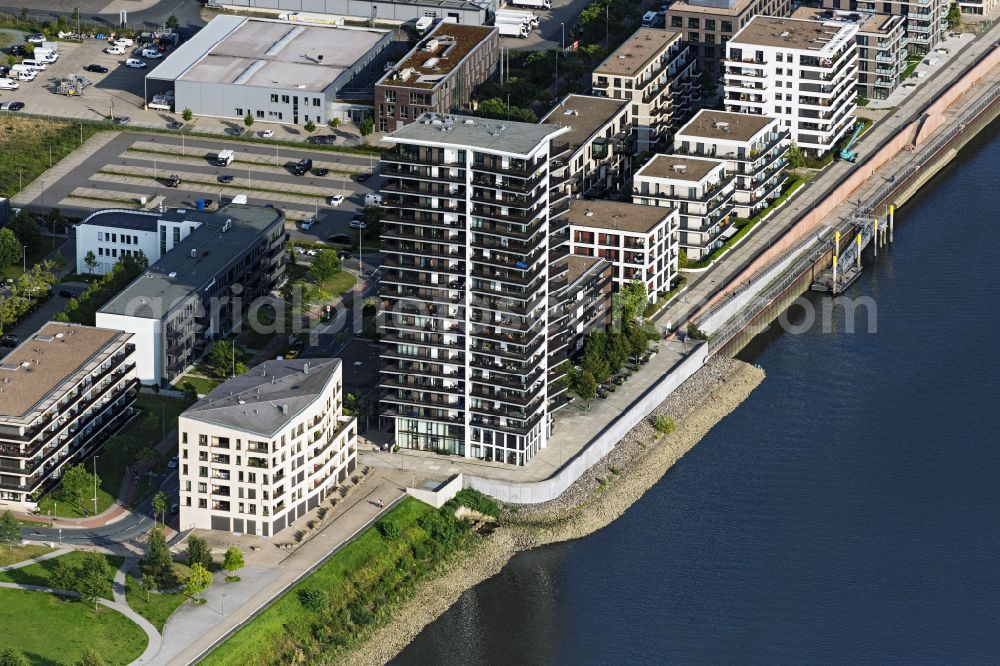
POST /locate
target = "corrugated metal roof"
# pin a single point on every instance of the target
(193, 50)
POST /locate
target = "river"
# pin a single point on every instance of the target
(847, 512)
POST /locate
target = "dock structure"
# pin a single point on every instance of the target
(846, 268)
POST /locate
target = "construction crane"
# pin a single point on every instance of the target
(847, 154)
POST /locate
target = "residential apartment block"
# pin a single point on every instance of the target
(702, 192)
(802, 72)
(976, 7)
(754, 150)
(599, 137)
(262, 449)
(206, 271)
(708, 24)
(473, 232)
(653, 70)
(63, 391)
(439, 74)
(925, 19)
(581, 290)
(881, 51)
(640, 242)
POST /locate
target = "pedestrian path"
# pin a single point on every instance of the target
(36, 560)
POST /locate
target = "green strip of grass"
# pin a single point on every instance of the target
(155, 607)
(14, 554)
(200, 384)
(217, 185)
(40, 572)
(173, 153)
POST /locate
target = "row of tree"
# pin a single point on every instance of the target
(83, 308)
(25, 293)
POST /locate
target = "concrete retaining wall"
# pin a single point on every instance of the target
(550, 488)
(437, 497)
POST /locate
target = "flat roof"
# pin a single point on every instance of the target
(434, 58)
(677, 167)
(43, 362)
(616, 215)
(503, 136)
(712, 124)
(736, 9)
(118, 219)
(178, 275)
(584, 115)
(637, 51)
(871, 23)
(270, 53)
(791, 33)
(266, 398)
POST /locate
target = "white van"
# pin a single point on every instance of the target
(373, 199)
(23, 75)
(9, 84)
(34, 64)
(650, 19)
(115, 50)
(151, 53)
(135, 63)
(46, 55)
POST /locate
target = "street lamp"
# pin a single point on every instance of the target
(95, 485)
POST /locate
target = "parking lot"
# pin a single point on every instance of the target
(126, 167)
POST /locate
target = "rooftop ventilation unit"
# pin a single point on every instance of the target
(680, 168)
(430, 63)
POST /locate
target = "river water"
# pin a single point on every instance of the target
(847, 512)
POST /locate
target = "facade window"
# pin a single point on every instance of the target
(676, 22)
(727, 26)
(390, 95)
(274, 98)
(317, 101)
(259, 114)
(693, 23)
(709, 24)
(239, 112)
(285, 99)
(693, 37)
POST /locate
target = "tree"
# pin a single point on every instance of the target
(189, 391)
(310, 126)
(11, 657)
(629, 302)
(595, 356)
(10, 532)
(795, 157)
(197, 581)
(187, 114)
(27, 232)
(499, 110)
(157, 562)
(954, 17)
(233, 561)
(198, 552)
(160, 500)
(172, 22)
(248, 120)
(63, 576)
(94, 578)
(147, 584)
(637, 339)
(617, 350)
(325, 265)
(90, 657)
(10, 248)
(367, 126)
(91, 261)
(222, 357)
(585, 385)
(334, 123)
(709, 85)
(77, 484)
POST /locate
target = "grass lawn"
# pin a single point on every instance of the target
(911, 64)
(14, 271)
(39, 573)
(25, 143)
(201, 384)
(15, 554)
(50, 630)
(339, 283)
(157, 609)
(367, 560)
(50, 506)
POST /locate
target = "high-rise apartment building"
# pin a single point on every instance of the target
(708, 24)
(802, 72)
(263, 448)
(654, 71)
(63, 391)
(925, 19)
(473, 232)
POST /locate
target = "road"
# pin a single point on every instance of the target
(142, 15)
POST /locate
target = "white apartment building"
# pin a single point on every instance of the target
(802, 72)
(754, 149)
(262, 449)
(702, 192)
(654, 70)
(640, 242)
(63, 391)
(599, 136)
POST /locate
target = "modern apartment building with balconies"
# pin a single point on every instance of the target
(63, 392)
(708, 24)
(925, 19)
(600, 140)
(652, 69)
(754, 149)
(472, 234)
(881, 50)
(802, 72)
(263, 448)
(640, 242)
(702, 192)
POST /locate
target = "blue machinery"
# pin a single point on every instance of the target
(847, 154)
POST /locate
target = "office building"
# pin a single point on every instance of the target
(472, 238)
(263, 448)
(63, 391)
(708, 24)
(754, 149)
(208, 270)
(653, 70)
(700, 189)
(439, 74)
(802, 72)
(881, 51)
(392, 12)
(600, 140)
(640, 242)
(276, 71)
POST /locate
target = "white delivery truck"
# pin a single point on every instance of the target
(528, 17)
(225, 157)
(535, 4)
(22, 73)
(45, 55)
(513, 30)
(650, 20)
(9, 84)
(514, 21)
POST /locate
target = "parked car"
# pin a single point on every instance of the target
(115, 50)
(11, 106)
(267, 134)
(321, 171)
(308, 223)
(100, 69)
(135, 63)
(373, 199)
(36, 38)
(225, 178)
(335, 200)
(152, 54)
(602, 393)
(18, 50)
(174, 508)
(174, 125)
(344, 254)
(124, 42)
(174, 180)
(358, 223)
(362, 177)
(324, 140)
(9, 340)
(172, 463)
(302, 166)
(122, 120)
(67, 293)
(340, 239)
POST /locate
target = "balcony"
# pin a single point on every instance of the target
(421, 173)
(402, 155)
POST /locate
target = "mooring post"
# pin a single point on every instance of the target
(875, 237)
(858, 253)
(834, 289)
(892, 219)
(836, 243)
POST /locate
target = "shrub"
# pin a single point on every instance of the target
(388, 529)
(664, 424)
(312, 599)
(477, 501)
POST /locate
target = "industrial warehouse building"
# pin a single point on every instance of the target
(469, 12)
(277, 71)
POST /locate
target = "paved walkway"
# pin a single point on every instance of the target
(36, 560)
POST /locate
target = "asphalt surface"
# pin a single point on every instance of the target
(188, 12)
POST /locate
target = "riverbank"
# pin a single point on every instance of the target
(596, 499)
